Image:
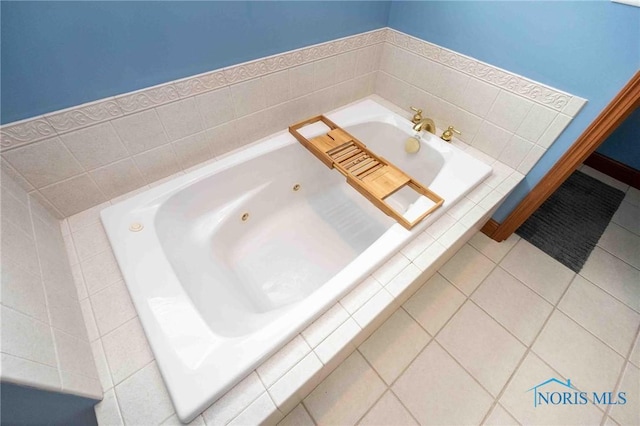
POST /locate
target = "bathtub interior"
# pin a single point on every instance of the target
(291, 243)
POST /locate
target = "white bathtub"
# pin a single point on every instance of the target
(217, 295)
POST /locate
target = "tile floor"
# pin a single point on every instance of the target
(495, 321)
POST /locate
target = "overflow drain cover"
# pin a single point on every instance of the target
(136, 227)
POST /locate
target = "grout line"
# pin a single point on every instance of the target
(623, 370)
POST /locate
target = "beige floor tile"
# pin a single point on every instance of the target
(494, 250)
(467, 268)
(437, 391)
(514, 305)
(388, 411)
(577, 355)
(633, 196)
(297, 417)
(347, 394)
(518, 399)
(500, 417)
(539, 271)
(614, 276)
(629, 413)
(482, 346)
(394, 345)
(434, 303)
(627, 216)
(588, 305)
(622, 243)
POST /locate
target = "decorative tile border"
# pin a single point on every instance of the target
(84, 115)
(31, 130)
(537, 92)
(24, 132)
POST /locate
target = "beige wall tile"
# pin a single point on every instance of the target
(19, 370)
(19, 247)
(277, 88)
(509, 110)
(491, 139)
(27, 338)
(324, 73)
(118, 178)
(75, 355)
(180, 119)
(536, 122)
(192, 150)
(141, 131)
(73, 195)
(157, 163)
(95, 146)
(223, 139)
(216, 107)
(248, 97)
(44, 163)
(301, 79)
(23, 291)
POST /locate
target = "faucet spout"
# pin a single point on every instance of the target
(425, 124)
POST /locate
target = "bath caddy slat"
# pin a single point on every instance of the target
(371, 175)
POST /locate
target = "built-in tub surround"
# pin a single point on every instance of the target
(240, 262)
(44, 338)
(127, 366)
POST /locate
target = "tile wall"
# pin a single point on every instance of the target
(506, 116)
(75, 159)
(78, 158)
(44, 338)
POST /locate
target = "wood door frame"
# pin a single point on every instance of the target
(609, 119)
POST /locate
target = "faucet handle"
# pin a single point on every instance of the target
(448, 134)
(417, 117)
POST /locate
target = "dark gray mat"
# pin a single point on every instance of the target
(569, 224)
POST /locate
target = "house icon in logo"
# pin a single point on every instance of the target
(546, 382)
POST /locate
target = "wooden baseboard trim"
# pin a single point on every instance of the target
(615, 169)
(490, 227)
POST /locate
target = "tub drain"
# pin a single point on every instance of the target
(136, 227)
(245, 217)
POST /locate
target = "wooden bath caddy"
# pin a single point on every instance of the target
(371, 175)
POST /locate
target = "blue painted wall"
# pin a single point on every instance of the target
(623, 144)
(59, 54)
(590, 49)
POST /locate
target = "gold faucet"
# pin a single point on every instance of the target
(420, 124)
